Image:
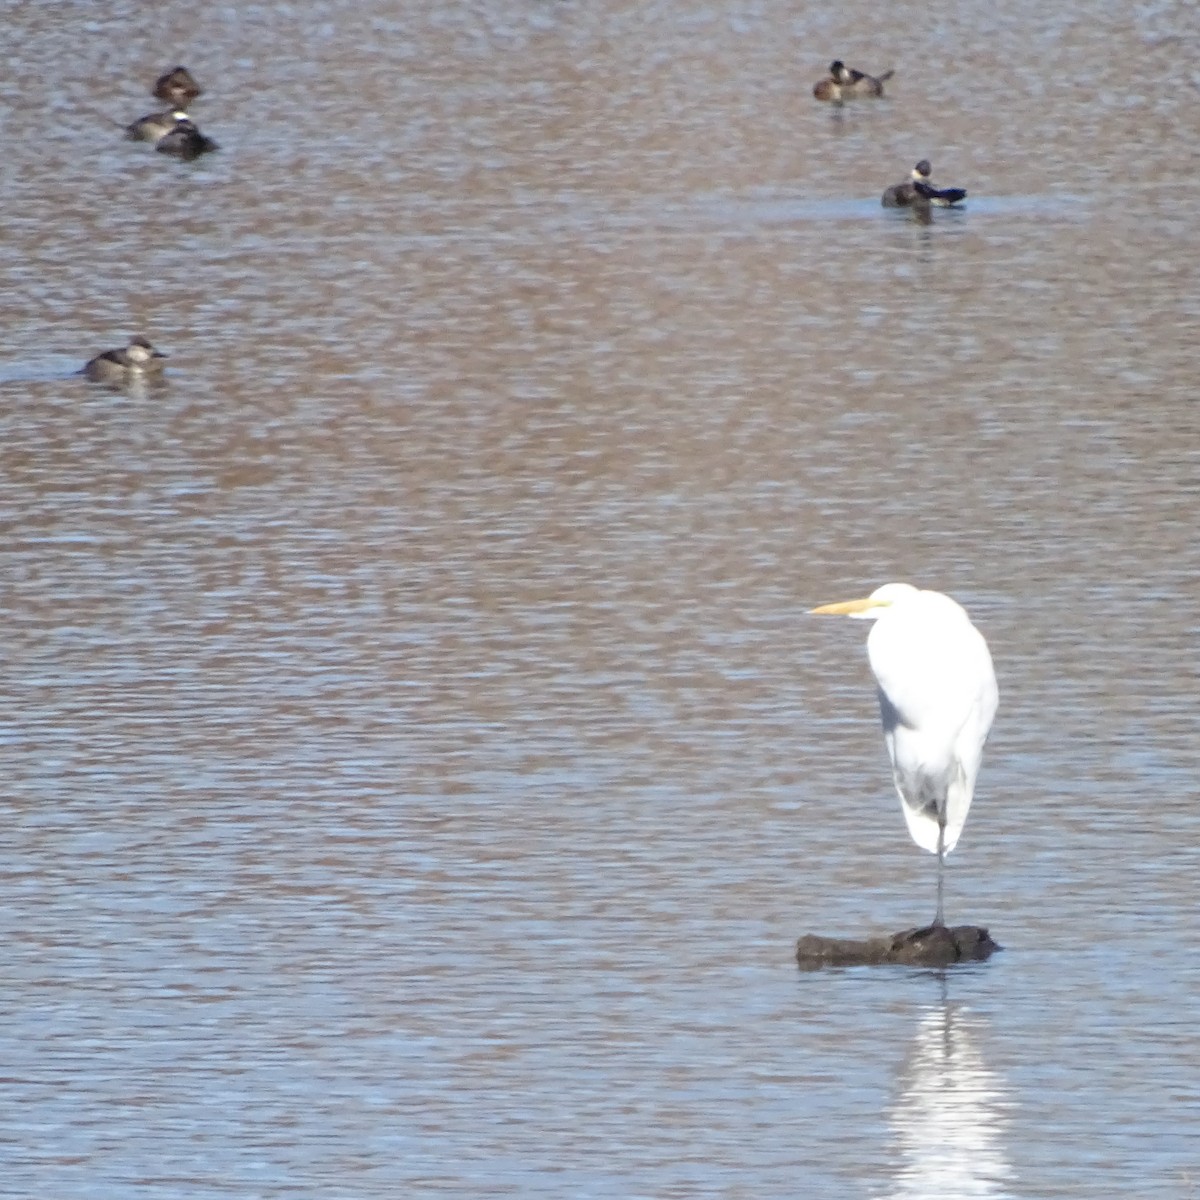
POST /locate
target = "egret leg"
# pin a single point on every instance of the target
(941, 853)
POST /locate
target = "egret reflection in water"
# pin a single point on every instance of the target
(950, 1119)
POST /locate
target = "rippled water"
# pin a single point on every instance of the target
(419, 763)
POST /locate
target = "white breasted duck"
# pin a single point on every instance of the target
(139, 361)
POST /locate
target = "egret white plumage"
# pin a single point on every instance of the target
(937, 698)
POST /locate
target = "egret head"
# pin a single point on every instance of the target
(870, 607)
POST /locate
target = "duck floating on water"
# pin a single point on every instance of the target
(845, 83)
(177, 87)
(137, 362)
(185, 141)
(919, 192)
(154, 126)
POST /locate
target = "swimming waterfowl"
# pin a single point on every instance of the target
(177, 87)
(919, 192)
(845, 83)
(137, 361)
(901, 195)
(185, 141)
(154, 126)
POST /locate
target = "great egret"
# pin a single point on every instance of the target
(937, 698)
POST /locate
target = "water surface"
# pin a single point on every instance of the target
(419, 763)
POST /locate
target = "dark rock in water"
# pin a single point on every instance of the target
(932, 946)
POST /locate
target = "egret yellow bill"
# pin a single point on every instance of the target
(937, 698)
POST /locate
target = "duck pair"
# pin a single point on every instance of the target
(918, 193)
(173, 132)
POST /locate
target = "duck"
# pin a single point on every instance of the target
(154, 126)
(185, 141)
(177, 87)
(845, 83)
(919, 192)
(139, 361)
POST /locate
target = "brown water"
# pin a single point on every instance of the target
(419, 765)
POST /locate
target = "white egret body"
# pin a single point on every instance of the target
(937, 698)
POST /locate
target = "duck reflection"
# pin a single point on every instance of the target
(950, 1120)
